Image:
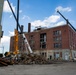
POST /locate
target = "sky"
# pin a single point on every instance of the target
(39, 13)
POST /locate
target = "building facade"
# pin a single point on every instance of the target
(53, 43)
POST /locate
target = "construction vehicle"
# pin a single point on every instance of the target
(17, 32)
(13, 57)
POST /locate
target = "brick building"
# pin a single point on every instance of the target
(53, 43)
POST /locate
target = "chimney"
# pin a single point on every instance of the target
(29, 27)
(22, 27)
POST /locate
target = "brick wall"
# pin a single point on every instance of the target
(61, 37)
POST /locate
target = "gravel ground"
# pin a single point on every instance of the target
(67, 68)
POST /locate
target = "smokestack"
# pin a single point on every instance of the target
(29, 27)
(22, 27)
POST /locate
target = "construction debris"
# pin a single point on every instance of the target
(24, 59)
(33, 59)
(5, 62)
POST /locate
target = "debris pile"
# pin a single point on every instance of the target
(24, 59)
(32, 59)
(5, 62)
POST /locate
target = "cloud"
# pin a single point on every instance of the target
(20, 11)
(60, 8)
(6, 7)
(11, 16)
(11, 33)
(59, 23)
(46, 22)
(51, 20)
(5, 41)
(25, 17)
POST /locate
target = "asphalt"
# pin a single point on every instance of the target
(63, 68)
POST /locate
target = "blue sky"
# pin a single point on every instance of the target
(38, 12)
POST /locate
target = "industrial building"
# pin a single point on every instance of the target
(53, 43)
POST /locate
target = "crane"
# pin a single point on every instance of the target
(70, 26)
(20, 28)
(66, 20)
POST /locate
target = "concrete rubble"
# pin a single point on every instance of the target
(5, 62)
(24, 59)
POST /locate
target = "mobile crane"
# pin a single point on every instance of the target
(16, 51)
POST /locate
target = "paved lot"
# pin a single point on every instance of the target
(68, 68)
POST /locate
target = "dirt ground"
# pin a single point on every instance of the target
(65, 68)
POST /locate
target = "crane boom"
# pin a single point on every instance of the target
(14, 14)
(67, 20)
(62, 16)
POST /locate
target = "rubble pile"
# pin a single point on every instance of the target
(32, 59)
(5, 62)
(24, 59)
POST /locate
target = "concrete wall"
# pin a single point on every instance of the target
(64, 54)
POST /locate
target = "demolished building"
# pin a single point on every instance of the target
(53, 43)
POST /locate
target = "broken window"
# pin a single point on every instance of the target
(58, 32)
(32, 43)
(57, 45)
(56, 39)
(43, 40)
